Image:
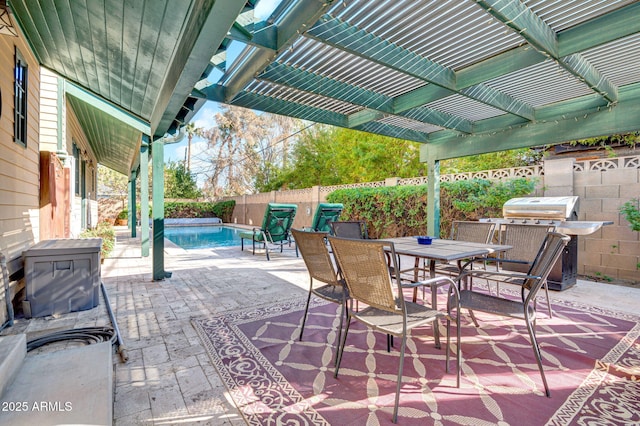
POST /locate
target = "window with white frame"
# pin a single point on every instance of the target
(20, 99)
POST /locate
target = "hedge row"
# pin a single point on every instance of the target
(222, 210)
(402, 210)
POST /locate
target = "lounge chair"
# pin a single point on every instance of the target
(275, 229)
(326, 213)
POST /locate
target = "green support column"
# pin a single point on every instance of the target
(144, 195)
(131, 218)
(157, 154)
(433, 198)
(132, 212)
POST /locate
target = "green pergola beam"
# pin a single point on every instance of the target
(303, 14)
(516, 15)
(601, 30)
(578, 65)
(500, 100)
(393, 131)
(309, 82)
(312, 83)
(499, 65)
(343, 36)
(364, 116)
(278, 106)
(598, 121)
(439, 118)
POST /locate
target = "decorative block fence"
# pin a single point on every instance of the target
(603, 185)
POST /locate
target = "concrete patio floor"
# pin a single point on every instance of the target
(169, 378)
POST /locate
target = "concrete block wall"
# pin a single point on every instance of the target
(614, 251)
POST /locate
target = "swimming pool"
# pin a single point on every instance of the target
(192, 237)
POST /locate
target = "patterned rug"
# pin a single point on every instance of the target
(591, 359)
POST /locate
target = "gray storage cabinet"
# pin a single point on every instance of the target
(61, 276)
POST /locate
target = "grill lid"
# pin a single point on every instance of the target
(557, 208)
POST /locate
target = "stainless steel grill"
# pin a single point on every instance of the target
(561, 212)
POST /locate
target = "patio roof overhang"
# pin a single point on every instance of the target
(460, 76)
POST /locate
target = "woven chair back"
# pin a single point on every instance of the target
(475, 232)
(363, 265)
(350, 229)
(525, 241)
(314, 252)
(551, 249)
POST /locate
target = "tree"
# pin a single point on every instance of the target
(327, 155)
(243, 148)
(179, 182)
(491, 160)
(113, 184)
(192, 131)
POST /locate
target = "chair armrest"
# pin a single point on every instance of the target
(479, 273)
(429, 282)
(495, 260)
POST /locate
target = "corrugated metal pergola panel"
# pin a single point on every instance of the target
(618, 60)
(465, 107)
(541, 84)
(446, 32)
(563, 14)
(296, 96)
(451, 73)
(310, 55)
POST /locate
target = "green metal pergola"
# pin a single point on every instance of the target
(461, 77)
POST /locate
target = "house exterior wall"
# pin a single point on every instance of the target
(19, 165)
(84, 212)
(59, 131)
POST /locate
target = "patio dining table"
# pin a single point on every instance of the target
(442, 250)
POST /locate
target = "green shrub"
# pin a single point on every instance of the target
(631, 212)
(124, 214)
(402, 210)
(222, 210)
(105, 231)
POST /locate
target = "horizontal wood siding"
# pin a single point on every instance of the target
(48, 111)
(19, 166)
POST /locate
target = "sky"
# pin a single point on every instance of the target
(204, 118)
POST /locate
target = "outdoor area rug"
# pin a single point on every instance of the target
(591, 358)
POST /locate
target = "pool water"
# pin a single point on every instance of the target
(193, 237)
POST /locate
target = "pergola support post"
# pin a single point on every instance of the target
(144, 196)
(157, 154)
(131, 217)
(433, 198)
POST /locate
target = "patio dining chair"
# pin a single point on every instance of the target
(523, 309)
(275, 228)
(324, 280)
(325, 214)
(471, 231)
(363, 264)
(525, 240)
(355, 229)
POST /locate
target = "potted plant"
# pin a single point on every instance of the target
(122, 217)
